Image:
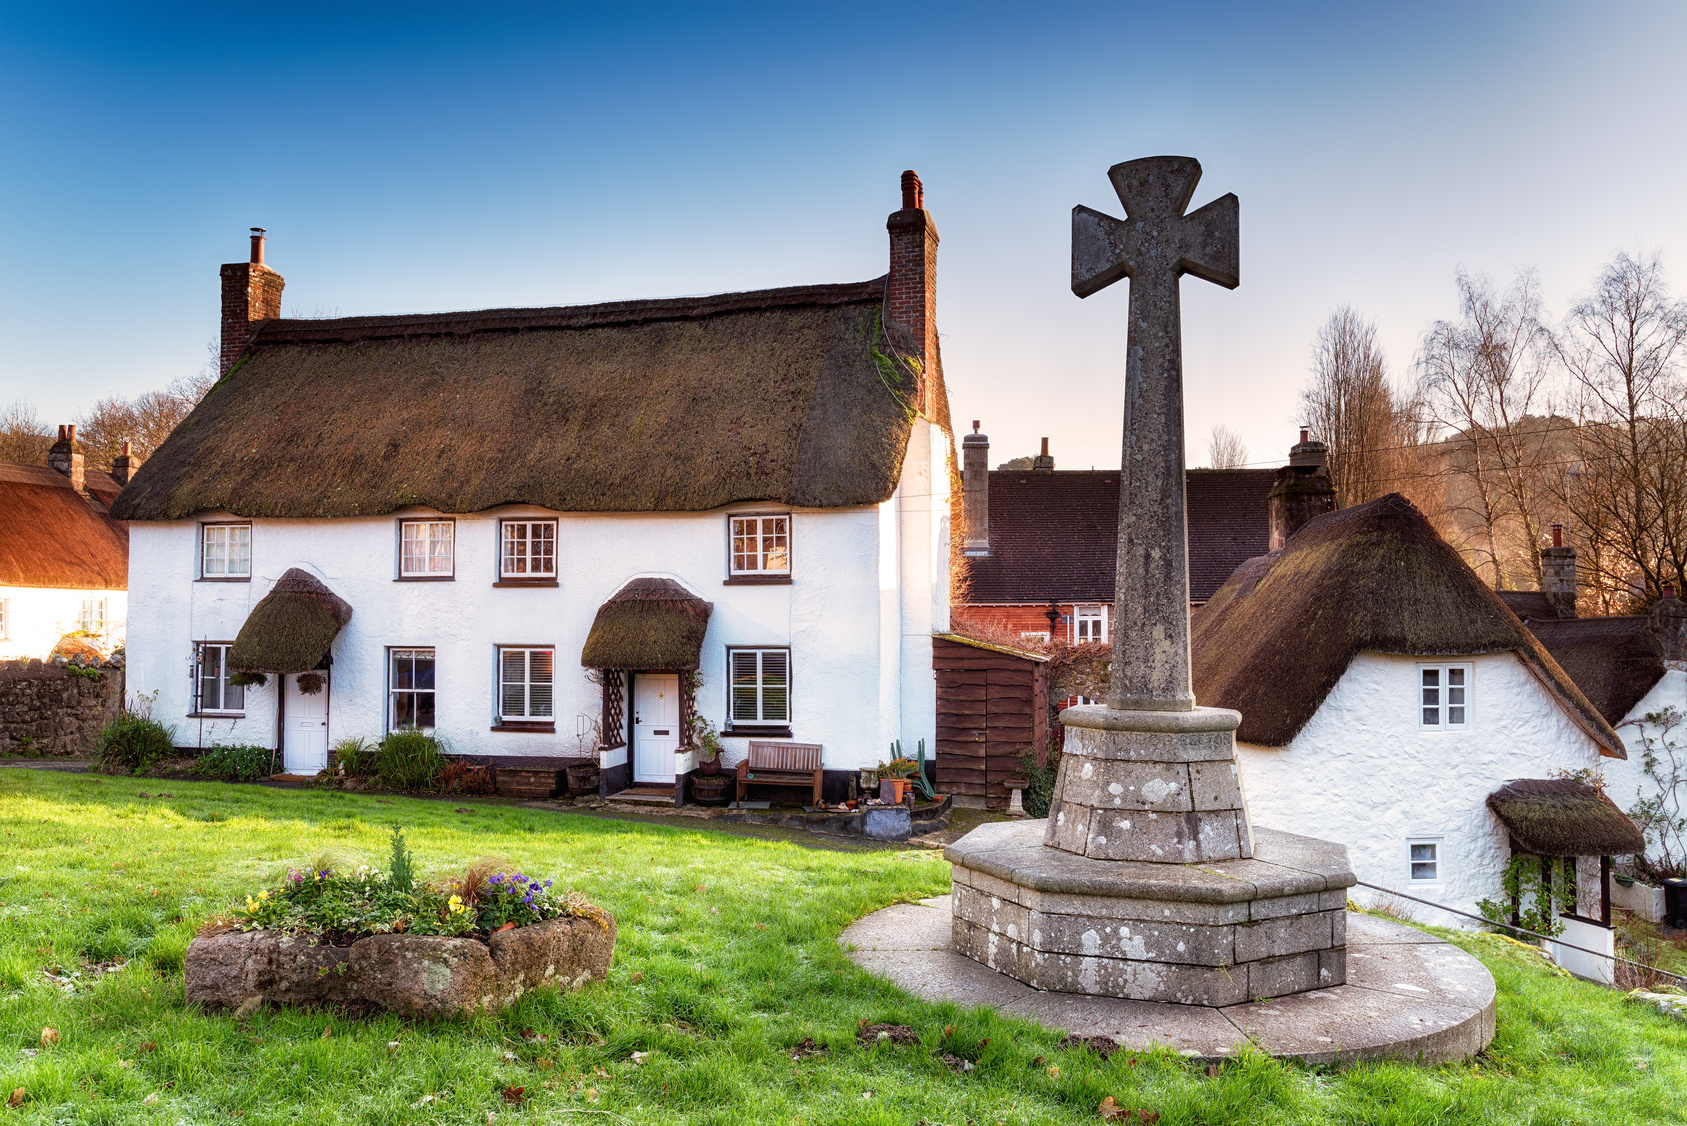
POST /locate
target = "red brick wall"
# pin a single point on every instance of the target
(911, 298)
(1016, 620)
(251, 293)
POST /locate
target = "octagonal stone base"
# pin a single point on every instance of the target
(1213, 934)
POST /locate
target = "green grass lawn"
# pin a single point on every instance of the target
(727, 957)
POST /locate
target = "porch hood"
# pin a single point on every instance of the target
(1563, 817)
(649, 624)
(291, 627)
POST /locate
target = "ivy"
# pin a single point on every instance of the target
(889, 373)
(1538, 904)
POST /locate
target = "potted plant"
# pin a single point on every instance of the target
(707, 739)
(896, 772)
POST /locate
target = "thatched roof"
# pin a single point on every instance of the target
(53, 536)
(633, 406)
(291, 627)
(1614, 661)
(1277, 637)
(1561, 817)
(648, 624)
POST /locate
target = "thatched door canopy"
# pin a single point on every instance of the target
(1561, 817)
(648, 624)
(291, 628)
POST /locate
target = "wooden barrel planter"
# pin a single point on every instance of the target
(582, 778)
(711, 789)
(516, 782)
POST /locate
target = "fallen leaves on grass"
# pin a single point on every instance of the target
(1111, 1111)
(18, 1096)
(1102, 1046)
(638, 1058)
(895, 1033)
(545, 1063)
(49, 1037)
(516, 1095)
(148, 1046)
(150, 1100)
(1054, 1071)
(532, 1037)
(807, 1049)
(328, 1032)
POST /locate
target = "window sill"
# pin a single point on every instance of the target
(757, 580)
(757, 733)
(216, 715)
(223, 579)
(519, 725)
(425, 579)
(526, 582)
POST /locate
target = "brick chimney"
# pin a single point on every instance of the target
(1668, 629)
(1043, 462)
(1302, 490)
(251, 293)
(911, 297)
(125, 465)
(64, 458)
(1558, 574)
(975, 490)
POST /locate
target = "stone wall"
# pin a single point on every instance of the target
(46, 709)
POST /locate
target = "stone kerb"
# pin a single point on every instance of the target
(1152, 786)
(417, 975)
(1212, 935)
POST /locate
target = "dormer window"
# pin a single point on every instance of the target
(225, 551)
(1444, 697)
(426, 549)
(760, 547)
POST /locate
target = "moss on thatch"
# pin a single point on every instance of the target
(644, 406)
(291, 628)
(648, 624)
(1275, 639)
(1563, 817)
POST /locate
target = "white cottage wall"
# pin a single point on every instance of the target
(1625, 780)
(36, 617)
(1363, 773)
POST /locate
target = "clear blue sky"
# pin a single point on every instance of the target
(417, 157)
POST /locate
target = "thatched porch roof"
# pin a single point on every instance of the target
(1562, 817)
(291, 628)
(648, 624)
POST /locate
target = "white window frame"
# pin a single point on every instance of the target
(1449, 702)
(518, 550)
(225, 537)
(1082, 614)
(224, 688)
(434, 563)
(1437, 858)
(754, 547)
(92, 618)
(761, 714)
(394, 655)
(531, 688)
(5, 619)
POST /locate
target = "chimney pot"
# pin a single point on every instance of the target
(1043, 463)
(1305, 433)
(258, 246)
(975, 426)
(1558, 535)
(251, 293)
(70, 433)
(913, 192)
(1669, 590)
(128, 448)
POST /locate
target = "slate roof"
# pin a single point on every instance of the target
(1614, 660)
(784, 395)
(1054, 534)
(52, 536)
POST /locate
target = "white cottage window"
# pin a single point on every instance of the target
(526, 679)
(529, 549)
(1091, 625)
(761, 545)
(225, 551)
(1424, 860)
(761, 687)
(410, 688)
(92, 618)
(213, 694)
(1444, 697)
(426, 549)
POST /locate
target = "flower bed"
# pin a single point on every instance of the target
(368, 937)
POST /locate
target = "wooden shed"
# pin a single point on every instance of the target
(992, 707)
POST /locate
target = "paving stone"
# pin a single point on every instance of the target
(1145, 981)
(1215, 785)
(1367, 930)
(1345, 1025)
(1273, 938)
(1138, 1025)
(1420, 970)
(1114, 784)
(1129, 938)
(905, 926)
(943, 975)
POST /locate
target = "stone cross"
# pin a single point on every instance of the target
(1154, 245)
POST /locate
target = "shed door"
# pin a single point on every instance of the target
(655, 726)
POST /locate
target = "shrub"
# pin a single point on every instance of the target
(465, 778)
(351, 757)
(239, 763)
(134, 741)
(1039, 794)
(408, 759)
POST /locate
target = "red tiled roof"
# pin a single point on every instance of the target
(1054, 535)
(51, 536)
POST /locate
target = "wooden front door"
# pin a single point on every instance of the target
(656, 733)
(305, 722)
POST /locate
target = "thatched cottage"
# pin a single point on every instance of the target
(1385, 694)
(559, 531)
(64, 564)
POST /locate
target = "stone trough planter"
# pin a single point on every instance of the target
(417, 975)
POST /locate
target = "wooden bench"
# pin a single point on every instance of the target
(781, 764)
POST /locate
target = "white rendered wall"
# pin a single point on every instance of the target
(36, 617)
(842, 616)
(1625, 781)
(1364, 774)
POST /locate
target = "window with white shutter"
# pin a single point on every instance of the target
(1444, 697)
(525, 683)
(761, 545)
(225, 551)
(529, 549)
(213, 693)
(426, 549)
(760, 688)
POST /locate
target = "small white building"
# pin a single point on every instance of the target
(1385, 694)
(64, 565)
(538, 532)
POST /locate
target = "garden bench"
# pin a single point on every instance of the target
(781, 764)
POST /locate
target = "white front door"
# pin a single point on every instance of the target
(305, 721)
(655, 725)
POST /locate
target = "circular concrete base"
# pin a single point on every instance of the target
(1409, 996)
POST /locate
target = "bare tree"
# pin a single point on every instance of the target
(1624, 345)
(1484, 379)
(24, 439)
(1351, 407)
(144, 421)
(1225, 449)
